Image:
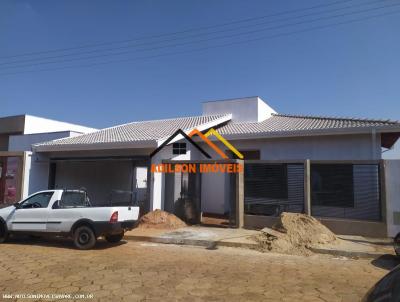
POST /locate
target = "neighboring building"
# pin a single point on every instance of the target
(17, 134)
(278, 145)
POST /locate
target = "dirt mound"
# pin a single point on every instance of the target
(294, 234)
(158, 219)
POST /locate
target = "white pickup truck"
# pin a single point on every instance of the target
(67, 213)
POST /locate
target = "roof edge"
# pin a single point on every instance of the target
(321, 117)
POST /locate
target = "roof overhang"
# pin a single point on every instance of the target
(95, 146)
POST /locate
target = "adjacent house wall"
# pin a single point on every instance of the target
(34, 124)
(25, 142)
(3, 142)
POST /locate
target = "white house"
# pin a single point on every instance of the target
(345, 156)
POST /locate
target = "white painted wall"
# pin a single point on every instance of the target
(34, 124)
(36, 174)
(392, 179)
(213, 193)
(251, 109)
(330, 147)
(158, 180)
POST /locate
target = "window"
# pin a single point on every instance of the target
(268, 181)
(74, 200)
(332, 185)
(40, 200)
(179, 148)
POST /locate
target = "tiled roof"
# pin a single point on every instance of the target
(156, 130)
(293, 123)
(138, 131)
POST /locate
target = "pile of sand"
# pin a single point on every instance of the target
(295, 234)
(158, 219)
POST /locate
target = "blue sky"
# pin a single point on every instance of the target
(346, 70)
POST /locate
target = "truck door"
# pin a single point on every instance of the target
(67, 211)
(33, 213)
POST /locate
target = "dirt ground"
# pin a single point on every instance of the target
(134, 271)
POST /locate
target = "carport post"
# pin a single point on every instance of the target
(307, 187)
(240, 197)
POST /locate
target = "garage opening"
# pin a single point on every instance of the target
(107, 181)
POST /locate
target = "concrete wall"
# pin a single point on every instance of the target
(251, 109)
(392, 184)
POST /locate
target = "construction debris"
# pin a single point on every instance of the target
(295, 234)
(159, 219)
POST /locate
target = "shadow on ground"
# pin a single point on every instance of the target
(62, 243)
(387, 262)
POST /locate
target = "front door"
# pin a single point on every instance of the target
(33, 214)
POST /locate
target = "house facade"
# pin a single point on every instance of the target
(334, 164)
(19, 173)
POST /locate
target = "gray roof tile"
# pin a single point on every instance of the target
(293, 123)
(155, 130)
(137, 131)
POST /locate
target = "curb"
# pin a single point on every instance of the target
(194, 242)
(342, 253)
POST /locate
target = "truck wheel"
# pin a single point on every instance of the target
(397, 244)
(114, 238)
(3, 233)
(84, 238)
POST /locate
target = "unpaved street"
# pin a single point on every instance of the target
(136, 271)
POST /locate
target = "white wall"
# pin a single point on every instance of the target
(392, 179)
(331, 147)
(36, 175)
(213, 193)
(34, 124)
(251, 109)
(158, 180)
